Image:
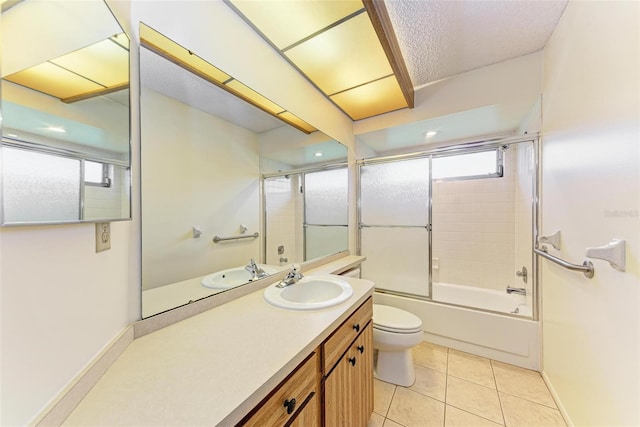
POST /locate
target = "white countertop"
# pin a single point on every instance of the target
(211, 369)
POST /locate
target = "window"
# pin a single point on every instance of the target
(482, 164)
(98, 174)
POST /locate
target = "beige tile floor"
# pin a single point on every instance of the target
(456, 389)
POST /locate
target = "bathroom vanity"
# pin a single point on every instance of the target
(244, 362)
(333, 386)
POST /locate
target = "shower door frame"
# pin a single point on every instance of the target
(462, 149)
(263, 197)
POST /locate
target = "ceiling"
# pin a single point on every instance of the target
(440, 39)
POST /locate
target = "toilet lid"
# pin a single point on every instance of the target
(393, 319)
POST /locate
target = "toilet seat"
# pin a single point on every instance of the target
(391, 319)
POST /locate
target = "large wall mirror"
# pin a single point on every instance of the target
(65, 113)
(210, 163)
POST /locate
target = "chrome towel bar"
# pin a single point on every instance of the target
(217, 239)
(586, 267)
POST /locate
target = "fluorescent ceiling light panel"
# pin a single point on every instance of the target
(374, 98)
(191, 62)
(301, 124)
(254, 97)
(185, 58)
(105, 62)
(345, 56)
(52, 80)
(286, 22)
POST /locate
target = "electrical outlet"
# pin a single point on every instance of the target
(103, 236)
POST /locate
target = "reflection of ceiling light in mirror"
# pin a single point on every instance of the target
(12, 135)
(431, 133)
(56, 129)
(318, 154)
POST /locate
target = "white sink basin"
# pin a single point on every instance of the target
(232, 277)
(310, 293)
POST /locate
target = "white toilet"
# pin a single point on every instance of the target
(395, 333)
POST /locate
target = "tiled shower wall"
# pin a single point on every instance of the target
(474, 228)
(284, 214)
(108, 202)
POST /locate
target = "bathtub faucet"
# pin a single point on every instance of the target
(255, 270)
(519, 291)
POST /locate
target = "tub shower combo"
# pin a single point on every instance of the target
(449, 236)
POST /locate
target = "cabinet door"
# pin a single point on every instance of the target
(362, 386)
(309, 416)
(339, 396)
(349, 387)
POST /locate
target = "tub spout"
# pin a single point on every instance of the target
(519, 291)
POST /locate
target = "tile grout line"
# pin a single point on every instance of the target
(504, 420)
(446, 384)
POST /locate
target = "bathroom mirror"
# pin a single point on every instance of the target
(65, 113)
(202, 150)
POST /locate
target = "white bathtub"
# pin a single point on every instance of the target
(500, 337)
(485, 299)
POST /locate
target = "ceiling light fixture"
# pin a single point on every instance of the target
(56, 129)
(318, 154)
(431, 133)
(185, 58)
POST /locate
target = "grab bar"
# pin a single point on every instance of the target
(217, 239)
(586, 267)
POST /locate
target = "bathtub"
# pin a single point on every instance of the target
(484, 299)
(503, 337)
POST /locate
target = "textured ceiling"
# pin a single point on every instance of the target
(440, 39)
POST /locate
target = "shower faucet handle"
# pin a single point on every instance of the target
(522, 273)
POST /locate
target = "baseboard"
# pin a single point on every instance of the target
(60, 407)
(556, 398)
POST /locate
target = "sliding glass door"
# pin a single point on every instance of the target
(394, 225)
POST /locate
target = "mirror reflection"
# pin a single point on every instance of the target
(65, 113)
(203, 154)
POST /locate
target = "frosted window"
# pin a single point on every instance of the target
(325, 196)
(395, 193)
(397, 259)
(478, 165)
(39, 187)
(321, 241)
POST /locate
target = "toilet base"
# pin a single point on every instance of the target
(395, 367)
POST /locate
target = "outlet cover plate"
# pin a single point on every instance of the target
(103, 236)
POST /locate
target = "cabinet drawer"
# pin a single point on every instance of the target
(299, 386)
(341, 339)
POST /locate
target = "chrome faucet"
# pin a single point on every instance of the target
(255, 270)
(292, 277)
(519, 291)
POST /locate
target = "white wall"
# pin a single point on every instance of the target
(591, 192)
(197, 170)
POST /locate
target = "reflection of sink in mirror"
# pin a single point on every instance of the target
(232, 277)
(310, 293)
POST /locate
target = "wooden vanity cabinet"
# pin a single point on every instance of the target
(333, 390)
(295, 402)
(348, 382)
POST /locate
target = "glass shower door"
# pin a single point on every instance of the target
(325, 213)
(394, 225)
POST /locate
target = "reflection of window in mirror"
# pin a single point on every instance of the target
(96, 173)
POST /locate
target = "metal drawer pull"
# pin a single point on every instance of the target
(360, 348)
(356, 327)
(352, 360)
(290, 405)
